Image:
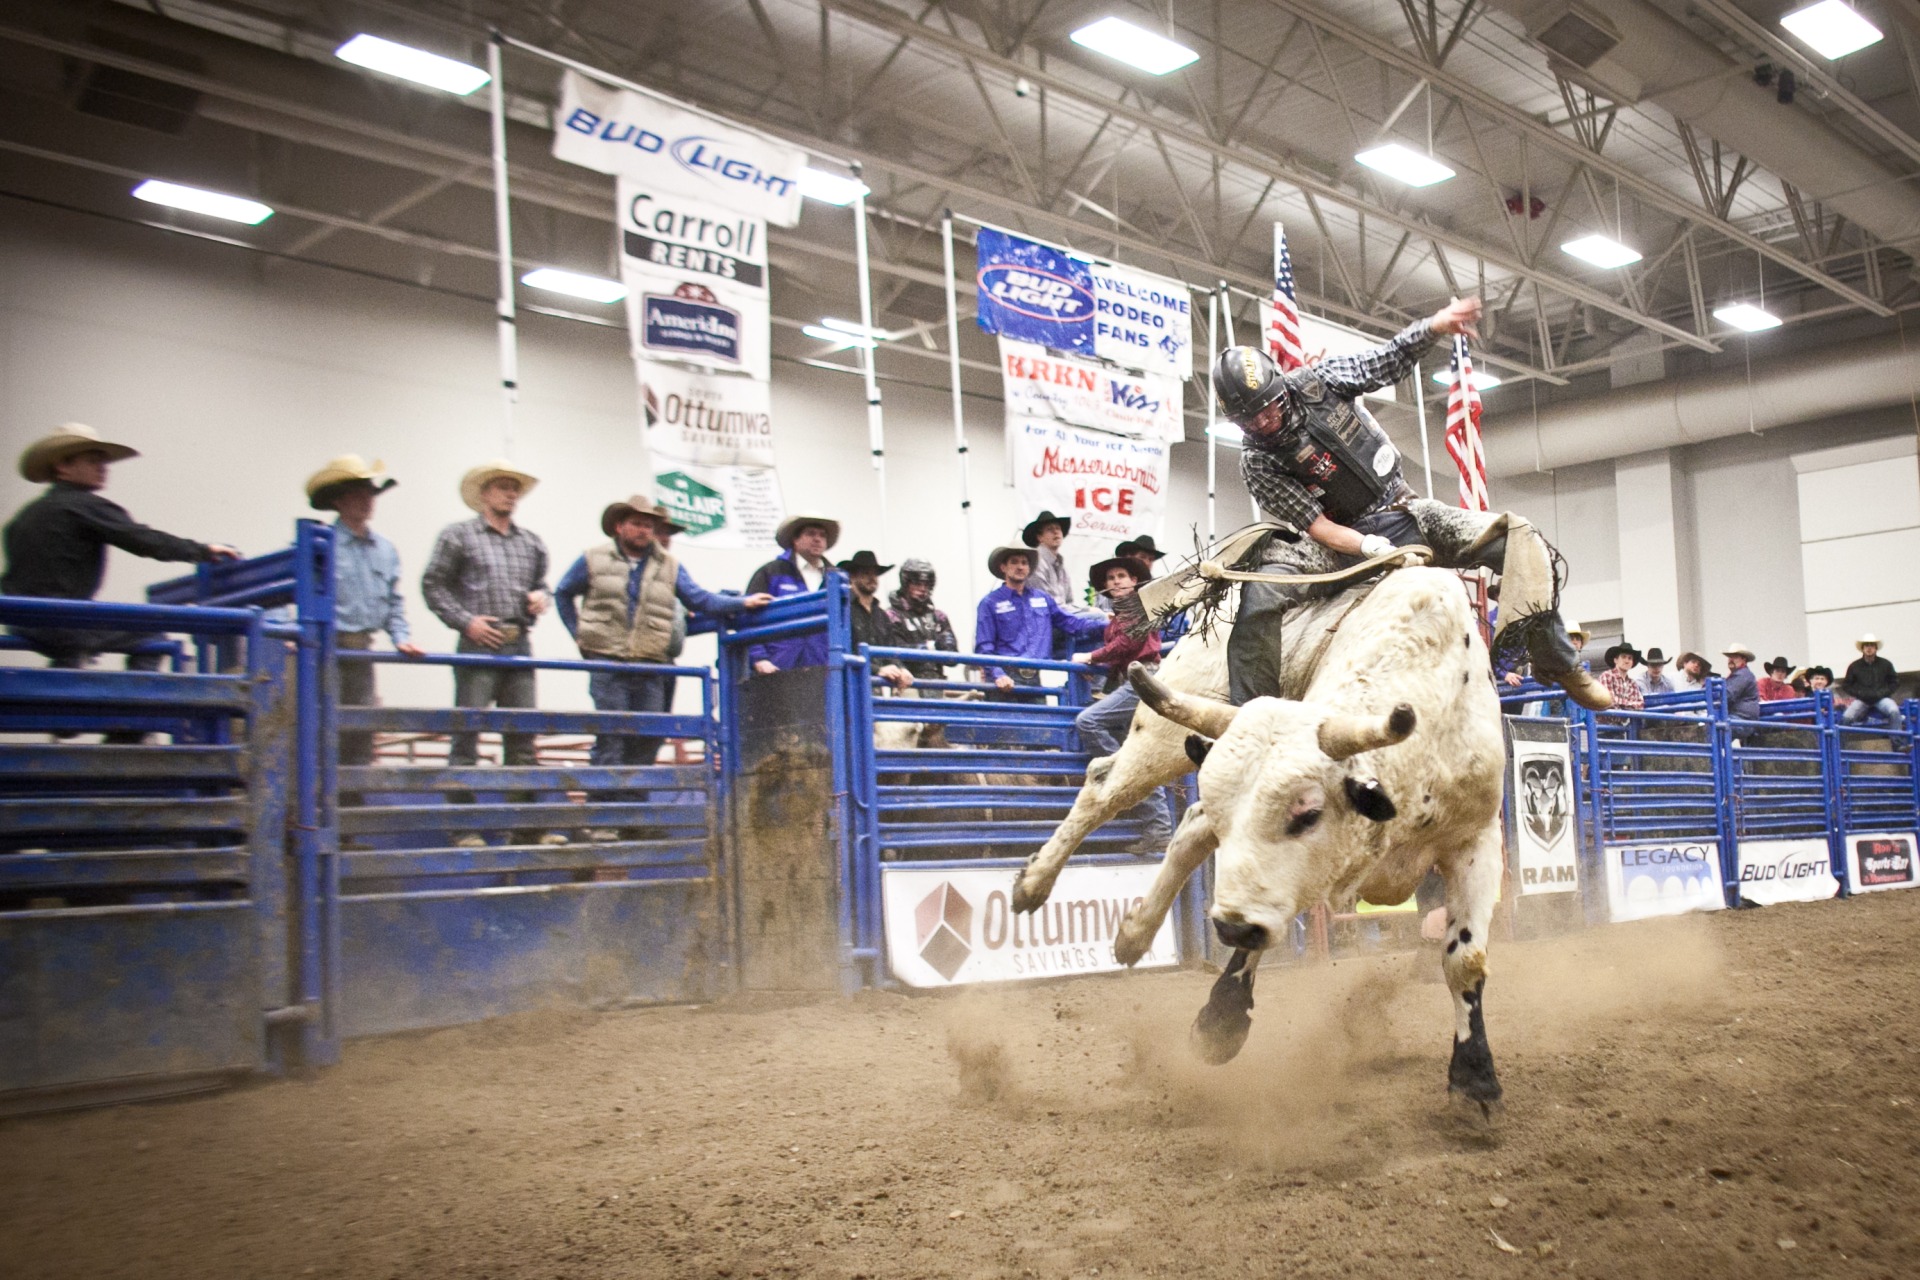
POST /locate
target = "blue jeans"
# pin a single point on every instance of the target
(1859, 708)
(628, 691)
(1103, 727)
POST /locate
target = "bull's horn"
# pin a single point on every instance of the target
(1202, 715)
(1342, 735)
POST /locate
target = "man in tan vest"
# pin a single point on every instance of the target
(617, 601)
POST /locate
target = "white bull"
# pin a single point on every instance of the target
(1307, 798)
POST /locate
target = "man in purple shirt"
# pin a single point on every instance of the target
(1018, 620)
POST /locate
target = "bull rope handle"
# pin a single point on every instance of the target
(1399, 558)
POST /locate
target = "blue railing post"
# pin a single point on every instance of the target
(1833, 777)
(1725, 789)
(316, 842)
(1911, 714)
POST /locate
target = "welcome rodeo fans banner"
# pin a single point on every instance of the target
(1033, 292)
(1113, 488)
(950, 928)
(1041, 385)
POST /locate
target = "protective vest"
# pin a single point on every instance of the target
(604, 628)
(1345, 461)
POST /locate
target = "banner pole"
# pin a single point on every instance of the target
(1213, 445)
(876, 429)
(953, 367)
(1420, 399)
(503, 236)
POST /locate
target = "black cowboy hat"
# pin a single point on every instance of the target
(1820, 671)
(863, 560)
(999, 555)
(1615, 651)
(1778, 664)
(1653, 657)
(1140, 548)
(1031, 534)
(1097, 576)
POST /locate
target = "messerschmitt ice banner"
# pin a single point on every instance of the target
(1112, 487)
(641, 137)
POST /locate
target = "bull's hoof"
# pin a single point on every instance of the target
(1029, 893)
(1476, 1113)
(1221, 1028)
(1131, 942)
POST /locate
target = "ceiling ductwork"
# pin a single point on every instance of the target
(1633, 54)
(1782, 392)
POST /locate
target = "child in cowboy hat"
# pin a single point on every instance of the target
(57, 544)
(1104, 725)
(1776, 685)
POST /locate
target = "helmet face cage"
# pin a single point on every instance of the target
(1247, 381)
(917, 571)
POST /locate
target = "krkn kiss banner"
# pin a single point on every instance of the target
(1040, 385)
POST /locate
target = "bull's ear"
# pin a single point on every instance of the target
(1370, 800)
(1197, 748)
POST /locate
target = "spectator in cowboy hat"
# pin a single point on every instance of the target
(800, 567)
(1777, 687)
(871, 624)
(617, 602)
(1870, 682)
(1044, 534)
(1621, 659)
(1694, 670)
(1019, 620)
(1743, 688)
(366, 586)
(1651, 676)
(1819, 678)
(1103, 726)
(486, 579)
(57, 546)
(1142, 549)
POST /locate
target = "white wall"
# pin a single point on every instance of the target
(1860, 545)
(237, 376)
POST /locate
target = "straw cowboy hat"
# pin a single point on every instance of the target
(863, 560)
(1581, 632)
(998, 557)
(327, 484)
(638, 505)
(1097, 576)
(1738, 651)
(790, 529)
(486, 473)
(48, 452)
(1031, 534)
(1868, 639)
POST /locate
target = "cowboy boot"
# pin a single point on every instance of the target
(1527, 602)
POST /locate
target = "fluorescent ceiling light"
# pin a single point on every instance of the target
(838, 336)
(575, 285)
(211, 203)
(408, 63)
(1600, 251)
(1744, 315)
(830, 188)
(1833, 28)
(1135, 46)
(1482, 380)
(1404, 164)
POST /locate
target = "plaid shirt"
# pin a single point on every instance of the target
(477, 572)
(1283, 498)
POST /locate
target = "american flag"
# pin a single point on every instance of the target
(1283, 331)
(1463, 430)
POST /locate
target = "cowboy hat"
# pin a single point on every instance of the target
(1737, 651)
(790, 529)
(1141, 548)
(863, 560)
(1777, 664)
(1867, 639)
(638, 505)
(1653, 657)
(1031, 534)
(1615, 651)
(329, 482)
(1580, 631)
(1820, 671)
(1097, 576)
(476, 480)
(1706, 667)
(48, 452)
(998, 556)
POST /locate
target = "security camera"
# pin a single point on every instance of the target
(1022, 87)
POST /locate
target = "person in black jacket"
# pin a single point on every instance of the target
(57, 544)
(1870, 682)
(916, 623)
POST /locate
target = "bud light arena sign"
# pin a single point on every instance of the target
(947, 928)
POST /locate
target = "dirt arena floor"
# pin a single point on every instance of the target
(1727, 1095)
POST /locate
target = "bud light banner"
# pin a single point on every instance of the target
(1034, 292)
(674, 150)
(717, 419)
(1038, 384)
(952, 928)
(1882, 861)
(1112, 488)
(1662, 878)
(1142, 321)
(1775, 871)
(720, 506)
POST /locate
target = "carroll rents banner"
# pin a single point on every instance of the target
(637, 136)
(1662, 878)
(1882, 861)
(1085, 393)
(1543, 821)
(951, 927)
(696, 277)
(1112, 488)
(1773, 871)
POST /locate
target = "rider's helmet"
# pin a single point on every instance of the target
(916, 570)
(1251, 390)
